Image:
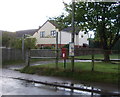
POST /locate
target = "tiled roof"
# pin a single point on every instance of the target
(21, 32)
(54, 23)
(69, 29)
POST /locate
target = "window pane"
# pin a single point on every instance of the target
(42, 34)
(53, 33)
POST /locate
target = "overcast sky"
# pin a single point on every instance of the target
(28, 14)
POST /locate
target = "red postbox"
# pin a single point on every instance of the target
(64, 53)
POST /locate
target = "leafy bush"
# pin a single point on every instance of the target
(47, 47)
(66, 46)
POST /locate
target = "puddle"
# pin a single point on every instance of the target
(21, 87)
(73, 91)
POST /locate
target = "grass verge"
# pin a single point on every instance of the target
(97, 56)
(104, 72)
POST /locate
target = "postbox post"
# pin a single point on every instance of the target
(64, 56)
(64, 63)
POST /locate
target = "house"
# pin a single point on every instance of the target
(81, 38)
(46, 35)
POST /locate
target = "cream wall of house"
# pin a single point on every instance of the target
(76, 39)
(65, 37)
(47, 27)
(35, 34)
(83, 38)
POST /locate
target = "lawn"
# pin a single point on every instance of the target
(104, 72)
(86, 66)
(97, 56)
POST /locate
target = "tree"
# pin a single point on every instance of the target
(101, 17)
(30, 43)
(8, 38)
(94, 44)
(61, 21)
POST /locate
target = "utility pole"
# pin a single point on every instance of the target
(57, 55)
(23, 44)
(73, 31)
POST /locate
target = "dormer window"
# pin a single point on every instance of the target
(42, 34)
(53, 33)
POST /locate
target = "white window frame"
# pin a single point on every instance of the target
(42, 34)
(53, 33)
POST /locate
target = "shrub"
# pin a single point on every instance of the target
(47, 47)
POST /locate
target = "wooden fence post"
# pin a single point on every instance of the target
(92, 59)
(28, 58)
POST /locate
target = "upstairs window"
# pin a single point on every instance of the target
(42, 34)
(53, 33)
(81, 36)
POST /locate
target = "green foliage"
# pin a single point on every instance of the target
(61, 21)
(17, 44)
(103, 72)
(94, 44)
(29, 71)
(8, 39)
(66, 46)
(5, 40)
(28, 42)
(117, 46)
(100, 17)
(97, 56)
(47, 47)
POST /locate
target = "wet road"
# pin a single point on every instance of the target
(12, 86)
(20, 87)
